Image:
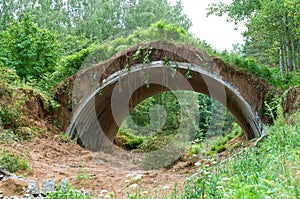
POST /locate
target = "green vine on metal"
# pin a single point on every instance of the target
(166, 62)
(145, 54)
(138, 53)
(127, 68)
(169, 66)
(188, 74)
(99, 93)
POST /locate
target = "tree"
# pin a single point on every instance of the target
(273, 32)
(93, 19)
(27, 48)
(6, 9)
(145, 12)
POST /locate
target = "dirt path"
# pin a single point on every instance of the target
(94, 172)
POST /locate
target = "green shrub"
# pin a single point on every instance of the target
(10, 110)
(32, 51)
(220, 148)
(156, 142)
(132, 141)
(195, 149)
(7, 136)
(220, 144)
(267, 73)
(63, 138)
(9, 115)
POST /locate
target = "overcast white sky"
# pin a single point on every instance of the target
(216, 31)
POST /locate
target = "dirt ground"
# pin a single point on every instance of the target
(93, 172)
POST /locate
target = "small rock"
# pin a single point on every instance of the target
(48, 185)
(98, 160)
(4, 174)
(27, 195)
(63, 183)
(84, 192)
(33, 187)
(74, 165)
(61, 165)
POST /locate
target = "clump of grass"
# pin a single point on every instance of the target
(195, 149)
(220, 144)
(63, 138)
(67, 192)
(156, 142)
(82, 175)
(12, 162)
(131, 141)
(215, 144)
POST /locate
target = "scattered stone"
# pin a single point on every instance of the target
(98, 160)
(27, 196)
(63, 183)
(74, 165)
(48, 186)
(4, 174)
(84, 192)
(62, 166)
(33, 187)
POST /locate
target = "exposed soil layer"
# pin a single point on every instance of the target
(292, 100)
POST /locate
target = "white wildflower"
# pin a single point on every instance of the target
(165, 187)
(225, 179)
(134, 186)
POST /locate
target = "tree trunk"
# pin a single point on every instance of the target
(293, 56)
(288, 45)
(283, 47)
(298, 53)
(281, 61)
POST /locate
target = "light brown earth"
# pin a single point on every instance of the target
(50, 158)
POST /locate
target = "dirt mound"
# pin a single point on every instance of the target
(13, 187)
(292, 100)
